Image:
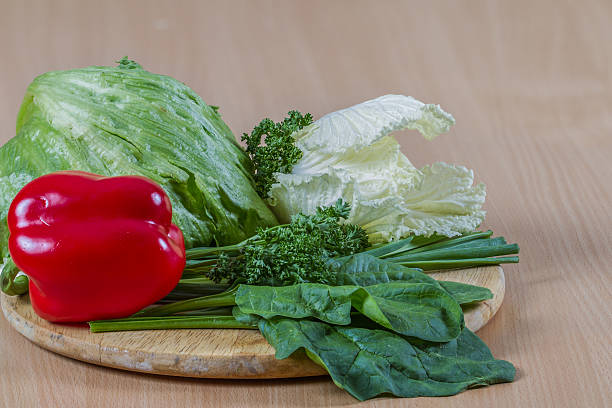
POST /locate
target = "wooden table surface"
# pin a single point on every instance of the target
(529, 83)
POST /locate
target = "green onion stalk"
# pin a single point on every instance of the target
(205, 312)
(168, 322)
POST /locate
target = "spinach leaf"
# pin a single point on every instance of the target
(465, 294)
(245, 318)
(413, 309)
(420, 310)
(364, 270)
(331, 304)
(367, 363)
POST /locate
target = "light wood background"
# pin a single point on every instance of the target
(529, 83)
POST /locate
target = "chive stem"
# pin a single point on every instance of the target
(202, 302)
(458, 253)
(454, 241)
(168, 322)
(458, 263)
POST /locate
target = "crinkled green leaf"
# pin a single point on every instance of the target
(364, 270)
(245, 318)
(464, 293)
(330, 304)
(415, 309)
(367, 362)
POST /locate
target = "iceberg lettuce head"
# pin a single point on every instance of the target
(125, 120)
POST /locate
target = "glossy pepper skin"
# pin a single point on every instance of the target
(94, 247)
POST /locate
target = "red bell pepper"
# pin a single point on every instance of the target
(94, 247)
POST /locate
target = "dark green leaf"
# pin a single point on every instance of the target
(272, 148)
(364, 270)
(367, 363)
(330, 304)
(464, 293)
(245, 318)
(420, 310)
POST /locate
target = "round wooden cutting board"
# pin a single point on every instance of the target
(206, 353)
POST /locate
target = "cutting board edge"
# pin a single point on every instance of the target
(229, 367)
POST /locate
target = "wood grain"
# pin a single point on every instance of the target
(206, 353)
(529, 83)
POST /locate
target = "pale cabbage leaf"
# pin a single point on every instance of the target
(351, 154)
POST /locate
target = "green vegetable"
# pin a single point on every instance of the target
(420, 310)
(311, 246)
(366, 270)
(11, 283)
(439, 252)
(245, 318)
(351, 154)
(424, 351)
(124, 120)
(367, 362)
(194, 287)
(465, 294)
(331, 304)
(168, 322)
(279, 153)
(286, 254)
(359, 270)
(414, 309)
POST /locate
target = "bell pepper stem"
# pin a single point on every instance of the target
(11, 283)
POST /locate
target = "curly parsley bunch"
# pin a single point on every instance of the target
(279, 153)
(296, 252)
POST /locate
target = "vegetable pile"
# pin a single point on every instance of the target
(376, 325)
(342, 277)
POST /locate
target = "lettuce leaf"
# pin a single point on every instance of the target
(124, 120)
(351, 154)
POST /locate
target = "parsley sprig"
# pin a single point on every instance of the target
(272, 149)
(287, 254)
